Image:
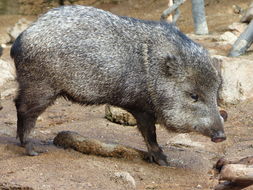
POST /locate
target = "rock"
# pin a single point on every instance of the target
(228, 37)
(237, 9)
(237, 79)
(237, 28)
(199, 186)
(5, 38)
(118, 115)
(8, 92)
(19, 27)
(7, 72)
(7, 131)
(184, 140)
(208, 37)
(125, 177)
(3, 45)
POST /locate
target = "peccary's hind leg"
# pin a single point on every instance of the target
(146, 125)
(30, 103)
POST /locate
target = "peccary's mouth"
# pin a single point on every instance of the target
(218, 137)
(218, 140)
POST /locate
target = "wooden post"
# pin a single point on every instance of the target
(199, 17)
(170, 16)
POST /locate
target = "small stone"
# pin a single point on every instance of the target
(7, 72)
(247, 17)
(4, 38)
(229, 37)
(237, 9)
(8, 92)
(199, 186)
(237, 28)
(125, 176)
(40, 118)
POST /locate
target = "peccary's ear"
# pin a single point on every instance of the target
(173, 67)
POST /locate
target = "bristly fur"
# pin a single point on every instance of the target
(91, 56)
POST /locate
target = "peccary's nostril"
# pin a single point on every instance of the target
(219, 136)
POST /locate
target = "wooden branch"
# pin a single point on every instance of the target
(237, 172)
(243, 42)
(235, 175)
(171, 9)
(176, 15)
(248, 16)
(227, 185)
(68, 139)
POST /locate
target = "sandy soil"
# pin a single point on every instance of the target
(190, 167)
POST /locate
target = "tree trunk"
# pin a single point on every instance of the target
(199, 17)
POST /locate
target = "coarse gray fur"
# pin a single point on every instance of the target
(91, 56)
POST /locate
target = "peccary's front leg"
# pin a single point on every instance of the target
(146, 125)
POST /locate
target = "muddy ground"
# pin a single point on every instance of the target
(190, 166)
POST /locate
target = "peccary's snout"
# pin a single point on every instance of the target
(218, 136)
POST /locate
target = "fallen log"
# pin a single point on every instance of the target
(237, 172)
(69, 139)
(235, 175)
(228, 185)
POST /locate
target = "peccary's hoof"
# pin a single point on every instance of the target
(30, 150)
(159, 158)
(32, 153)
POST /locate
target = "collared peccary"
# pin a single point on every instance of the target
(91, 56)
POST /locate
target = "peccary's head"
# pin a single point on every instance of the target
(184, 86)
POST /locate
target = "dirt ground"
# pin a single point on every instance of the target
(190, 167)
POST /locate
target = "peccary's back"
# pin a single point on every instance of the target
(89, 54)
(93, 56)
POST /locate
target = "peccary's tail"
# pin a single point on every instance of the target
(12, 52)
(16, 48)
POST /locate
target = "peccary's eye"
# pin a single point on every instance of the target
(195, 97)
